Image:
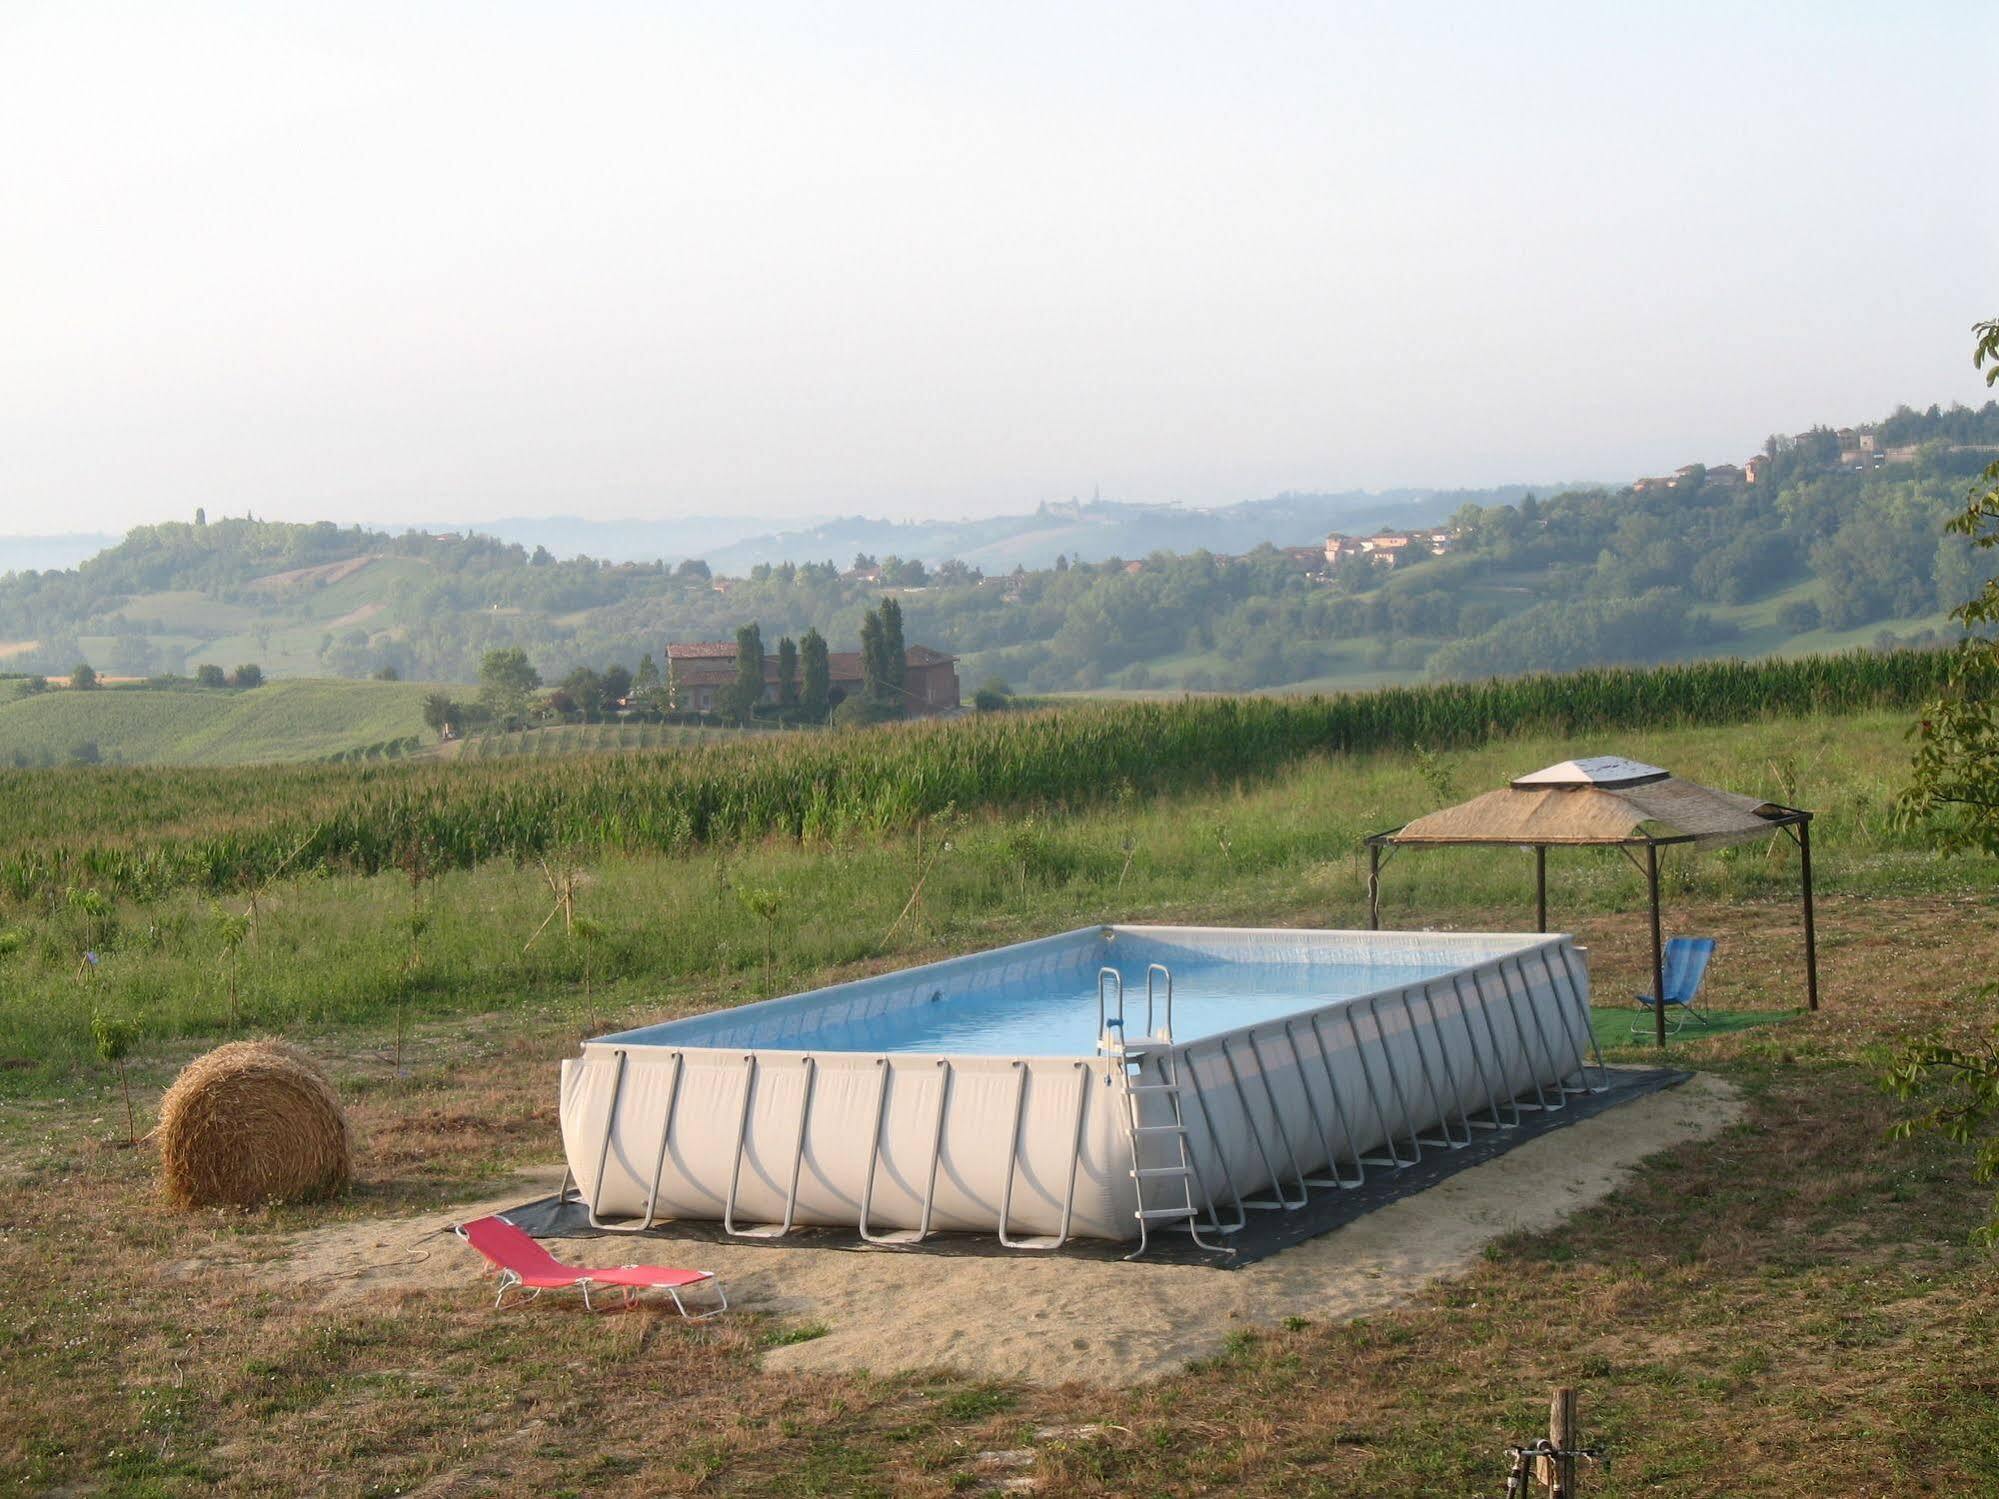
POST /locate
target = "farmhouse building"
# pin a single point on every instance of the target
(700, 671)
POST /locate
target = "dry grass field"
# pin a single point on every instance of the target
(1792, 1307)
(1788, 1304)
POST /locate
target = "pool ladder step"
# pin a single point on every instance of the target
(1150, 1065)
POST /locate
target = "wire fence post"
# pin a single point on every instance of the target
(1558, 1469)
(1548, 1465)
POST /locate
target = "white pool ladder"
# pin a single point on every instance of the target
(1172, 1185)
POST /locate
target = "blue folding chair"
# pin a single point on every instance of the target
(1686, 960)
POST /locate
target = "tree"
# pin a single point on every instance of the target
(1954, 794)
(787, 676)
(439, 713)
(617, 686)
(249, 675)
(872, 668)
(208, 674)
(693, 568)
(895, 659)
(200, 516)
(83, 677)
(812, 696)
(506, 677)
(646, 683)
(583, 689)
(387, 674)
(743, 694)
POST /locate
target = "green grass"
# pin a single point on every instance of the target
(332, 949)
(188, 611)
(282, 720)
(1619, 1022)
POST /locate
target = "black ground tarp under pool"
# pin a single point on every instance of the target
(1265, 1233)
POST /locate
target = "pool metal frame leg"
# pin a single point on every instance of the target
(899, 1237)
(1568, 1029)
(1339, 1104)
(1216, 1226)
(1394, 1078)
(1450, 1072)
(767, 1230)
(1312, 1107)
(1478, 1060)
(1540, 1104)
(650, 1216)
(1446, 1142)
(1061, 1237)
(1561, 1096)
(1505, 1074)
(1305, 1182)
(1283, 1203)
(1581, 1007)
(1394, 1158)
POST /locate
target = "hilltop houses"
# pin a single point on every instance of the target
(1388, 547)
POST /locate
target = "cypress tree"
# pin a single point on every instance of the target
(748, 688)
(787, 677)
(873, 660)
(818, 677)
(895, 663)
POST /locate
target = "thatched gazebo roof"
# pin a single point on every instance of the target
(1600, 800)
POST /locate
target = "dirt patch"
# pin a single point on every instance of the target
(1047, 1320)
(358, 616)
(299, 577)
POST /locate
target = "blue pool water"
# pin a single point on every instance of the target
(1058, 1017)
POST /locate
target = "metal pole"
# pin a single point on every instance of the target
(1811, 933)
(1658, 948)
(1374, 887)
(1540, 887)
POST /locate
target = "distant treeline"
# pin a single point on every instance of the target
(141, 832)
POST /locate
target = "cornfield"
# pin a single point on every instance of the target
(141, 832)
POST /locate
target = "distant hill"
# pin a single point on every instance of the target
(1827, 537)
(291, 720)
(1101, 529)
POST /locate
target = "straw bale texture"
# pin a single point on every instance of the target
(252, 1122)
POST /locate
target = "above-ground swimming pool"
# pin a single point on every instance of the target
(1111, 1083)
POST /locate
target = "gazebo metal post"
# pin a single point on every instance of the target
(1658, 946)
(1540, 887)
(1373, 886)
(1804, 836)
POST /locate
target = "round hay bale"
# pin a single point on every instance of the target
(249, 1123)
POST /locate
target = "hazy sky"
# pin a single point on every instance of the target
(458, 261)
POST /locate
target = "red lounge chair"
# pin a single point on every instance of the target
(525, 1265)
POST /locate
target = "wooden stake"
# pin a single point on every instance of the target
(1559, 1473)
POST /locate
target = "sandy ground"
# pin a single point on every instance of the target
(1055, 1320)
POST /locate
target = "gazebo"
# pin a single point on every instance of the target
(1606, 801)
